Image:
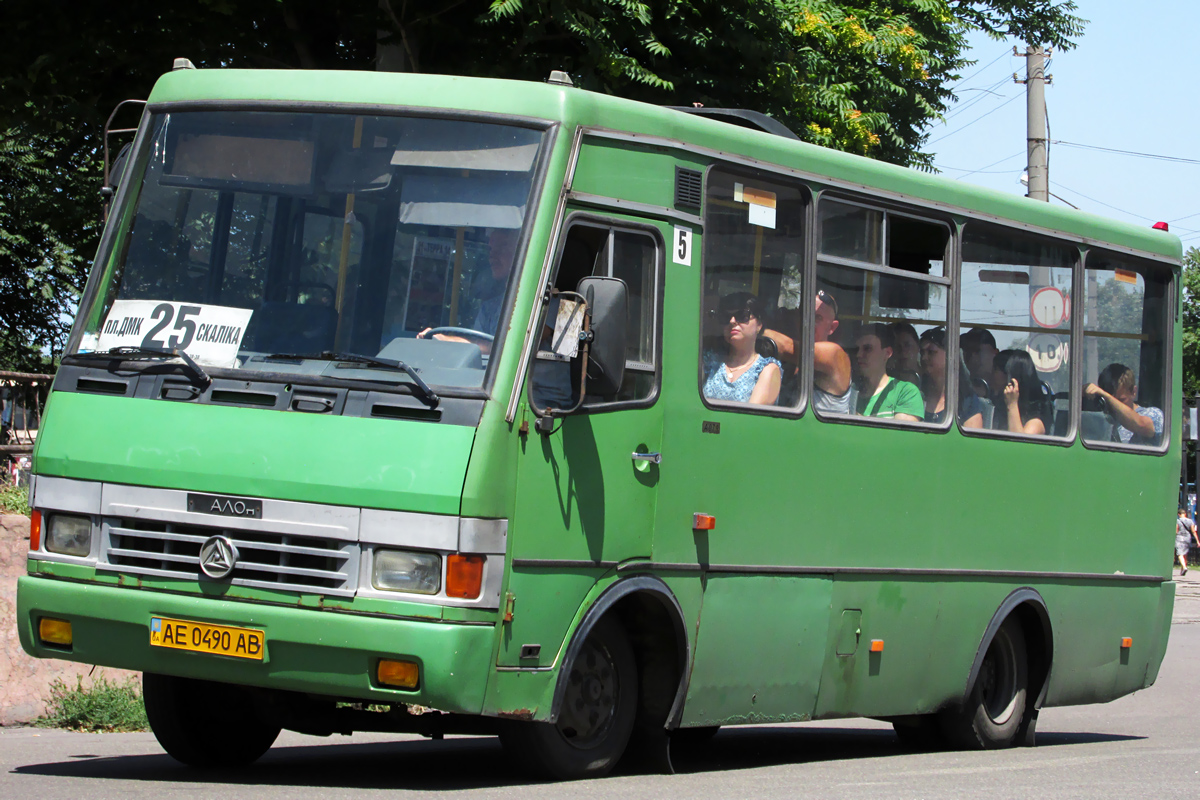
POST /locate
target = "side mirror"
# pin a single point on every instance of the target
(608, 303)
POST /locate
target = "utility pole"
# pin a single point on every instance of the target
(1035, 121)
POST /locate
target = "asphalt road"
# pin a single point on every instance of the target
(1141, 746)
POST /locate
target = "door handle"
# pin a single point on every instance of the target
(653, 458)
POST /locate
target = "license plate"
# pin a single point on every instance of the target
(201, 637)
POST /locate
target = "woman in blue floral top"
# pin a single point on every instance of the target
(743, 376)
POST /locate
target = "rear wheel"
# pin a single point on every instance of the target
(991, 717)
(205, 724)
(596, 716)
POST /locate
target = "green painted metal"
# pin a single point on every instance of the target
(786, 492)
(307, 650)
(373, 463)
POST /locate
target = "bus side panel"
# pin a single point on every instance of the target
(1090, 665)
(925, 657)
(760, 665)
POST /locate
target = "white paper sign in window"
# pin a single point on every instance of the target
(210, 334)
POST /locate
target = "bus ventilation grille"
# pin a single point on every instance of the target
(265, 560)
(688, 187)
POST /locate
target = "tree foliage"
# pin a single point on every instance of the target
(1191, 322)
(865, 76)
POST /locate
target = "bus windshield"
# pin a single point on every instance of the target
(269, 241)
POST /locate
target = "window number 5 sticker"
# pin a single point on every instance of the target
(681, 253)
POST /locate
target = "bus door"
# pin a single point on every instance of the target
(586, 491)
(731, 502)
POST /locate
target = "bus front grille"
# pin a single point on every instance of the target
(266, 560)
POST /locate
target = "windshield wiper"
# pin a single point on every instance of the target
(157, 352)
(426, 395)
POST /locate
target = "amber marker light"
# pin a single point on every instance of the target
(703, 522)
(464, 576)
(55, 632)
(877, 645)
(35, 530)
(1127, 643)
(400, 674)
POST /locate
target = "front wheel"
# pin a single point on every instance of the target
(596, 716)
(991, 717)
(205, 724)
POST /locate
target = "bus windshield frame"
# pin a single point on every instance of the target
(265, 241)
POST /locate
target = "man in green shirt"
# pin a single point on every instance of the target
(881, 395)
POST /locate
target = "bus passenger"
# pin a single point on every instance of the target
(1020, 398)
(978, 347)
(933, 374)
(744, 376)
(831, 365)
(905, 362)
(1134, 424)
(881, 395)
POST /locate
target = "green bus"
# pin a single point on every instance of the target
(445, 405)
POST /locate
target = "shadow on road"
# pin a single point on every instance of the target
(442, 765)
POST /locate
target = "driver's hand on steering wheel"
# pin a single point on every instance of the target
(441, 337)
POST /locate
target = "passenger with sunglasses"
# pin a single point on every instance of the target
(744, 376)
(933, 383)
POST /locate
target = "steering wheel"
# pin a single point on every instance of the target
(466, 333)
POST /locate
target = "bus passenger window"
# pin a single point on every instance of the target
(633, 256)
(871, 324)
(1015, 330)
(753, 263)
(1125, 322)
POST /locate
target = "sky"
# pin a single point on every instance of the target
(1130, 84)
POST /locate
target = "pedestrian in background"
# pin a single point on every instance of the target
(1185, 532)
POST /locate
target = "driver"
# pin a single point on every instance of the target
(502, 250)
(551, 380)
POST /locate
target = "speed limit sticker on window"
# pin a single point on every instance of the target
(210, 334)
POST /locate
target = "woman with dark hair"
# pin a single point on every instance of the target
(1020, 393)
(1134, 424)
(933, 383)
(743, 376)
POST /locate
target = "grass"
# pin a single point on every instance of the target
(14, 500)
(104, 707)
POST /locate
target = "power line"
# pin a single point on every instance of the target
(1101, 202)
(976, 100)
(1128, 152)
(972, 122)
(1006, 52)
(983, 168)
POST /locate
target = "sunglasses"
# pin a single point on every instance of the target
(740, 316)
(826, 298)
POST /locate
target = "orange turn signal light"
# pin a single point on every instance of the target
(1126, 642)
(464, 576)
(35, 530)
(703, 522)
(55, 631)
(877, 645)
(401, 674)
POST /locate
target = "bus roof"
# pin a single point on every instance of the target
(577, 106)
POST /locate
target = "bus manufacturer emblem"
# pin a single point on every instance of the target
(218, 556)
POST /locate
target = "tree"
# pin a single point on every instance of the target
(1191, 322)
(38, 270)
(865, 76)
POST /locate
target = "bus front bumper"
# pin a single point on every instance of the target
(321, 652)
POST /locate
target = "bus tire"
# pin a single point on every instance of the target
(595, 719)
(204, 724)
(995, 707)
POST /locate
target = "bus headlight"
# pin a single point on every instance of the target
(69, 535)
(407, 571)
